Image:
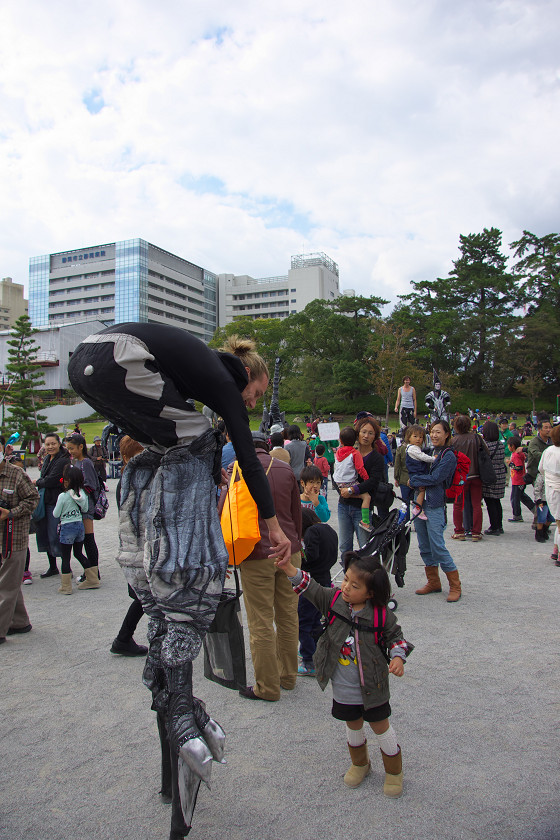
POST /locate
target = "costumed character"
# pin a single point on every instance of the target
(274, 417)
(438, 401)
(142, 378)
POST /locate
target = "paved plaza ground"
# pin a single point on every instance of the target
(476, 715)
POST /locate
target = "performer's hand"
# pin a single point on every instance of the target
(281, 547)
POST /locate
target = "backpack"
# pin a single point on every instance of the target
(459, 477)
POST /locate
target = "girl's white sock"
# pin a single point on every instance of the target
(388, 742)
(355, 737)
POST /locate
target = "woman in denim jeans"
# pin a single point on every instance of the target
(349, 509)
(431, 541)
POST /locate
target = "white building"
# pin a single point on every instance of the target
(311, 276)
(56, 345)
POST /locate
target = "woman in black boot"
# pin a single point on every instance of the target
(77, 448)
(124, 644)
(56, 459)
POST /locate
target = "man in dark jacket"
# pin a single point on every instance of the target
(270, 602)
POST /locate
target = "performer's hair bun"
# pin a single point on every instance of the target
(246, 351)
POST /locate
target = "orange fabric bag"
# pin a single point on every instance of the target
(239, 519)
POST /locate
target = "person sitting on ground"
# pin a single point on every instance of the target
(311, 481)
(416, 461)
(319, 555)
(349, 466)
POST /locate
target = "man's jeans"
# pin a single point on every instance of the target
(431, 541)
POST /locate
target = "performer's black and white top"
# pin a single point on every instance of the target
(139, 376)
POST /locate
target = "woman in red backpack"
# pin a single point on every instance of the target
(431, 541)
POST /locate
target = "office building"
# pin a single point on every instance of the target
(12, 302)
(130, 280)
(311, 276)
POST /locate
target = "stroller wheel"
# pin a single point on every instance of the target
(392, 604)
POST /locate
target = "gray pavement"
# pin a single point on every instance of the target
(476, 715)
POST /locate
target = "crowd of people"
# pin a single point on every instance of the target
(299, 623)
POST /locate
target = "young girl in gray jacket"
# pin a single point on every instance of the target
(350, 656)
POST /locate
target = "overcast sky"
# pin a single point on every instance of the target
(238, 134)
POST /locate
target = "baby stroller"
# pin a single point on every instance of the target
(390, 541)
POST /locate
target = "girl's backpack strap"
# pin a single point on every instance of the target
(330, 614)
(379, 619)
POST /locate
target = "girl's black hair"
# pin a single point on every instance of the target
(514, 441)
(319, 449)
(308, 518)
(78, 440)
(74, 477)
(311, 474)
(373, 574)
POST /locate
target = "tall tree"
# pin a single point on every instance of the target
(460, 316)
(23, 397)
(538, 270)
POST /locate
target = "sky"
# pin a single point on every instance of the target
(238, 134)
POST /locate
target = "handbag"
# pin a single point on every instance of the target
(240, 518)
(224, 645)
(39, 512)
(486, 469)
(384, 495)
(101, 505)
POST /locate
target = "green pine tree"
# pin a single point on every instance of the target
(22, 396)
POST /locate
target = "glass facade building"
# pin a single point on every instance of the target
(39, 291)
(130, 280)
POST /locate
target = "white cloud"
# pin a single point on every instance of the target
(237, 135)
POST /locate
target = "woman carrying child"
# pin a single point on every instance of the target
(431, 542)
(348, 654)
(416, 461)
(350, 503)
(349, 468)
(70, 506)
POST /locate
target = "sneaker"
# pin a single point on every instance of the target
(516, 519)
(27, 578)
(306, 670)
(80, 579)
(557, 562)
(494, 532)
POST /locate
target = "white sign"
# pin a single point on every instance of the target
(328, 431)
